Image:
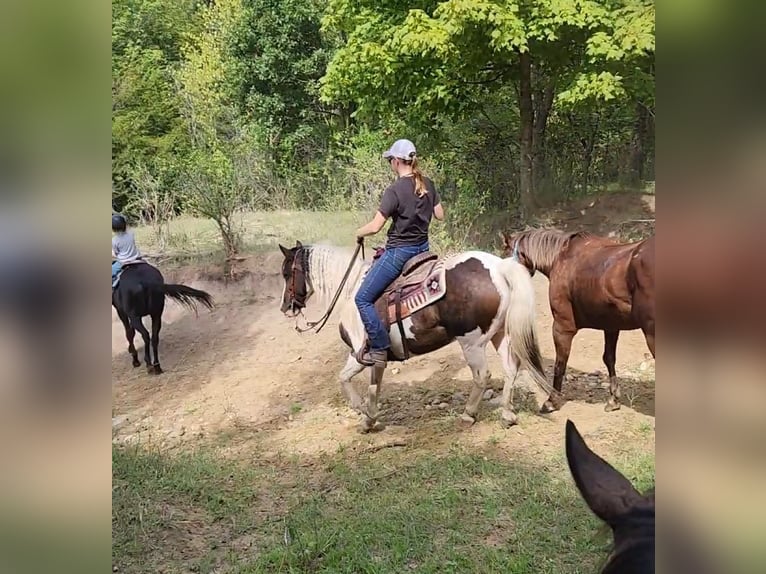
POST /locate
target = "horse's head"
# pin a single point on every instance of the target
(613, 499)
(512, 247)
(295, 272)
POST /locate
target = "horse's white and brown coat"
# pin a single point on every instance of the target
(488, 299)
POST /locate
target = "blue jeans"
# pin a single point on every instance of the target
(378, 278)
(116, 268)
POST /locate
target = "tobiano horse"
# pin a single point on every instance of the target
(141, 291)
(614, 500)
(594, 283)
(473, 298)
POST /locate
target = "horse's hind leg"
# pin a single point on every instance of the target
(508, 416)
(610, 358)
(130, 334)
(156, 326)
(476, 357)
(138, 325)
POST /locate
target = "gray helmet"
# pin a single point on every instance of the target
(119, 223)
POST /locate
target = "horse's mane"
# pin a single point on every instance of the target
(327, 265)
(542, 246)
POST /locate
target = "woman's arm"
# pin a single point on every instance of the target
(373, 226)
(439, 212)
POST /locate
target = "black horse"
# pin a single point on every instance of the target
(613, 499)
(141, 291)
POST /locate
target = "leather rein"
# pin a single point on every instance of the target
(322, 321)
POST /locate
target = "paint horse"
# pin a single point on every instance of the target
(473, 298)
(594, 283)
(614, 500)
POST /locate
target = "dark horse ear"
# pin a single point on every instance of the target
(298, 244)
(285, 251)
(505, 238)
(608, 493)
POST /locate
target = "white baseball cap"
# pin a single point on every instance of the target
(401, 149)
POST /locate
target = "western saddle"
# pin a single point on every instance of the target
(420, 284)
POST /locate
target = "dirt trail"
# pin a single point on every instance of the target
(242, 376)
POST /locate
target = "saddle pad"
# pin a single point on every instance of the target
(417, 295)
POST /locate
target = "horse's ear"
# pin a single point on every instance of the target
(608, 493)
(285, 251)
(298, 244)
(505, 238)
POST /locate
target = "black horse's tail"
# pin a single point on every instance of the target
(186, 296)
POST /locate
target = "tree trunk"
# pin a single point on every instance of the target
(542, 108)
(526, 176)
(637, 147)
(588, 143)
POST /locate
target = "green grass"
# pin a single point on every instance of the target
(388, 513)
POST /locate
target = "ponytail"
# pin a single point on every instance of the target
(417, 175)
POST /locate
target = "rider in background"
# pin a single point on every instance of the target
(411, 201)
(124, 248)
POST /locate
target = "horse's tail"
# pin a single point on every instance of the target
(520, 331)
(186, 296)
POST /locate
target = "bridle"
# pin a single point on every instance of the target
(302, 256)
(300, 305)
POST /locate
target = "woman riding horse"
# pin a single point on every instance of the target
(411, 201)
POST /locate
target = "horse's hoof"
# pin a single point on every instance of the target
(157, 369)
(370, 425)
(467, 420)
(508, 419)
(506, 424)
(547, 408)
(611, 406)
(136, 363)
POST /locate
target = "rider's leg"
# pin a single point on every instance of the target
(116, 267)
(380, 276)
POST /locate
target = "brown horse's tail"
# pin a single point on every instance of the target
(188, 296)
(520, 331)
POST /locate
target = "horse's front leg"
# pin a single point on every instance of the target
(350, 370)
(373, 396)
(563, 333)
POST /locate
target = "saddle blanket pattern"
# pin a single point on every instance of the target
(423, 287)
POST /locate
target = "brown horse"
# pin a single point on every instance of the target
(595, 283)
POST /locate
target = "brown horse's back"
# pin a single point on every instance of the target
(593, 275)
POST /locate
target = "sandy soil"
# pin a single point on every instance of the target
(241, 376)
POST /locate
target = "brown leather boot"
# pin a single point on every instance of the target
(375, 358)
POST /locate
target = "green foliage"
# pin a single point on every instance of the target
(290, 103)
(147, 129)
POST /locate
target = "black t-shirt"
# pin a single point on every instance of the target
(410, 214)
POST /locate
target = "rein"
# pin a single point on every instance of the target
(320, 323)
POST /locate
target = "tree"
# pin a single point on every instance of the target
(208, 82)
(148, 132)
(284, 56)
(442, 57)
